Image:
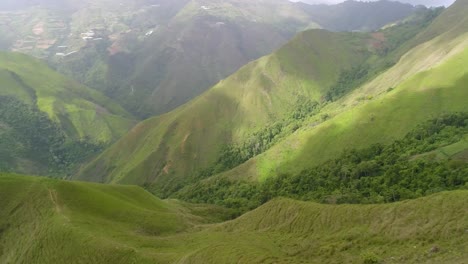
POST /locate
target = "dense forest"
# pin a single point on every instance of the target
(27, 132)
(377, 174)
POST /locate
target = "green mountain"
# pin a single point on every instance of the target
(153, 56)
(45, 116)
(339, 147)
(205, 42)
(358, 16)
(429, 3)
(191, 137)
(234, 33)
(51, 221)
(279, 103)
(426, 82)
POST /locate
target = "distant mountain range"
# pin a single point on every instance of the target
(346, 143)
(318, 95)
(153, 56)
(412, 2)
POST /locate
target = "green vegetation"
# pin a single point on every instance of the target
(246, 115)
(218, 39)
(379, 173)
(346, 147)
(49, 124)
(359, 16)
(427, 81)
(76, 222)
(245, 106)
(348, 80)
(50, 221)
(139, 62)
(260, 141)
(87, 223)
(28, 133)
(405, 30)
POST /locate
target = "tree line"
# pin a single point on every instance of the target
(376, 174)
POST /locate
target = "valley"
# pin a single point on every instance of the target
(233, 131)
(149, 55)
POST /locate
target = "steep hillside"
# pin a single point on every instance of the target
(430, 158)
(253, 109)
(49, 221)
(87, 223)
(427, 81)
(42, 110)
(205, 42)
(208, 40)
(155, 55)
(433, 3)
(188, 140)
(358, 16)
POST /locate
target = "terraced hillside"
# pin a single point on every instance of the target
(291, 92)
(41, 111)
(50, 221)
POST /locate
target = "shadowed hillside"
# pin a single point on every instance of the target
(45, 117)
(189, 139)
(155, 55)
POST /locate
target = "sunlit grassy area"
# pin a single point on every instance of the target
(50, 221)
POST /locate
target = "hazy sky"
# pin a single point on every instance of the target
(414, 2)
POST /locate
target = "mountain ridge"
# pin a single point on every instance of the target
(42, 110)
(267, 91)
(85, 222)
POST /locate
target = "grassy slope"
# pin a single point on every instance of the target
(429, 80)
(200, 47)
(79, 110)
(188, 139)
(455, 151)
(356, 15)
(49, 221)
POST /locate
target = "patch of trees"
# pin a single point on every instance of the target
(376, 174)
(233, 155)
(396, 36)
(260, 141)
(347, 81)
(388, 53)
(27, 133)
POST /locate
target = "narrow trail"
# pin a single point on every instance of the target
(54, 198)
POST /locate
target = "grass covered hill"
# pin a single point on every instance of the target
(209, 40)
(428, 81)
(205, 42)
(201, 43)
(41, 110)
(189, 139)
(154, 55)
(300, 85)
(358, 16)
(50, 221)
